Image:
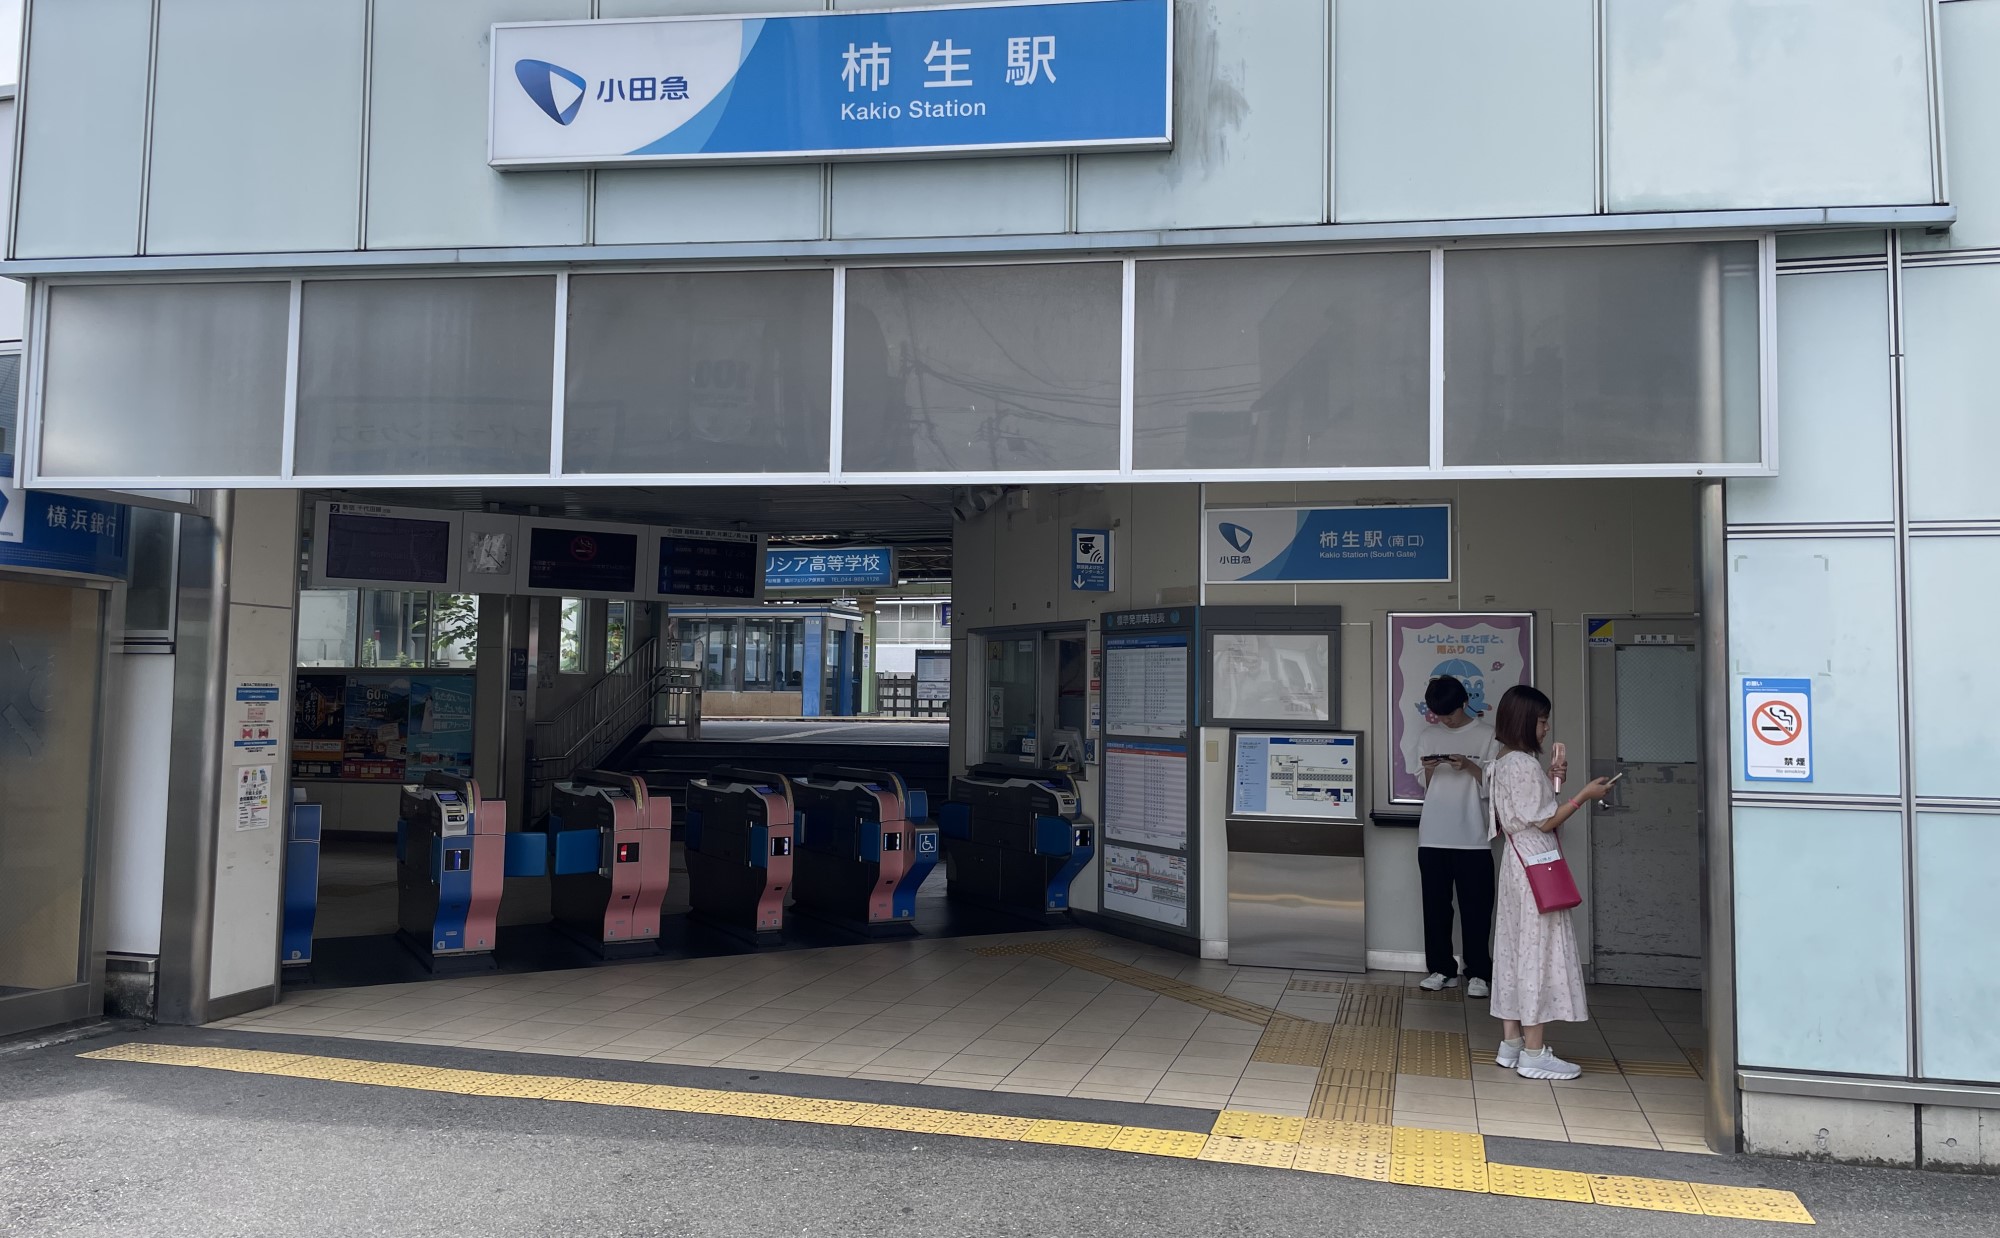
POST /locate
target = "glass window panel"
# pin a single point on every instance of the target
(415, 376)
(1953, 388)
(1834, 396)
(617, 628)
(1802, 974)
(83, 147)
(392, 628)
(1968, 45)
(759, 655)
(328, 627)
(982, 369)
(1958, 988)
(149, 589)
(570, 661)
(1627, 354)
(165, 380)
(1719, 103)
(451, 629)
(1822, 609)
(703, 373)
(1013, 693)
(10, 402)
(1317, 362)
(1954, 584)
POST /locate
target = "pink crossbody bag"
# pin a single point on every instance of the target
(1549, 878)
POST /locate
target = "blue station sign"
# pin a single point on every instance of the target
(985, 79)
(1298, 544)
(57, 533)
(849, 567)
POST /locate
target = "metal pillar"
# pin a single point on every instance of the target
(1724, 1125)
(867, 657)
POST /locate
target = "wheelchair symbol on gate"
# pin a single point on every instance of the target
(927, 844)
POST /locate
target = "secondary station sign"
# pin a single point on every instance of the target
(968, 79)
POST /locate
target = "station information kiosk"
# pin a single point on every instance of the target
(451, 862)
(738, 839)
(1015, 838)
(863, 849)
(610, 860)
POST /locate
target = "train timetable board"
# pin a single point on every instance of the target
(1150, 871)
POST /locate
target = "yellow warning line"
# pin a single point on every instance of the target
(1411, 1156)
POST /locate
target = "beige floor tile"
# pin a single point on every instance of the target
(1278, 1072)
(1129, 1078)
(1518, 1113)
(982, 1064)
(1461, 1108)
(851, 1056)
(1428, 1086)
(1523, 1130)
(1086, 1091)
(1598, 1102)
(1672, 1102)
(1435, 1122)
(1608, 1120)
(990, 1046)
(1069, 1074)
(1138, 1061)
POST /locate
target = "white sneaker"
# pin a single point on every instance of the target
(1509, 1055)
(1476, 987)
(1545, 1065)
(1437, 980)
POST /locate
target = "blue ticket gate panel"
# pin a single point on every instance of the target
(739, 846)
(301, 885)
(860, 853)
(451, 862)
(1015, 838)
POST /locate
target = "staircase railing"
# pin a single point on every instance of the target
(639, 690)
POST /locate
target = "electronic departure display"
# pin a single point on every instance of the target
(583, 561)
(365, 546)
(711, 567)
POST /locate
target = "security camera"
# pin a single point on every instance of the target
(975, 501)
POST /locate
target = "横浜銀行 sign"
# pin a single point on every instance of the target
(966, 79)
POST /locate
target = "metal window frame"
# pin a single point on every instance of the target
(33, 404)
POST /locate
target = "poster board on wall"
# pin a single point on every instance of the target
(1488, 653)
(382, 726)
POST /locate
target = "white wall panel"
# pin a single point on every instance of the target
(1249, 126)
(256, 126)
(137, 746)
(428, 183)
(1953, 390)
(642, 205)
(1834, 396)
(83, 154)
(1954, 585)
(1463, 109)
(1725, 103)
(1969, 46)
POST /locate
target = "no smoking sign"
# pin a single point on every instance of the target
(1777, 730)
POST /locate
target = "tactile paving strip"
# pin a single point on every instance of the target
(1352, 1136)
(1362, 1048)
(1071, 1134)
(1146, 1141)
(1698, 1059)
(1651, 1194)
(1439, 995)
(1246, 1125)
(1436, 1055)
(1270, 1153)
(1361, 1163)
(1370, 1105)
(1423, 1144)
(1529, 1183)
(1440, 1173)
(1659, 1070)
(1165, 986)
(588, 1091)
(1293, 1042)
(1316, 986)
(1750, 1203)
(1595, 1065)
(1370, 1010)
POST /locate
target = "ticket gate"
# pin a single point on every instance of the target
(738, 840)
(451, 861)
(295, 934)
(610, 859)
(863, 849)
(1014, 839)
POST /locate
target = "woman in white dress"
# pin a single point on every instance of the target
(1537, 978)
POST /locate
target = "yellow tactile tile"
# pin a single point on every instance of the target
(823, 1112)
(1244, 1124)
(1270, 1153)
(1071, 1134)
(1530, 1183)
(595, 1091)
(1443, 1173)
(1751, 1203)
(1293, 1042)
(1147, 1141)
(520, 1087)
(1366, 1164)
(1352, 1136)
(160, 1055)
(1416, 1141)
(1659, 1070)
(671, 1099)
(1370, 1010)
(1362, 1048)
(1437, 1055)
(1652, 1194)
(948, 1122)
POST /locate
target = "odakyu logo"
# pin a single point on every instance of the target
(1469, 674)
(555, 90)
(1237, 536)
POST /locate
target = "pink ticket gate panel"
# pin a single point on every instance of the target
(610, 851)
(451, 863)
(738, 841)
(856, 843)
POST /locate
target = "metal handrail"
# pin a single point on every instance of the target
(593, 725)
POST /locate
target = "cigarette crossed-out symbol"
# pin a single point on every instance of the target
(1776, 723)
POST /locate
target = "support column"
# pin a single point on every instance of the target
(868, 702)
(1724, 1128)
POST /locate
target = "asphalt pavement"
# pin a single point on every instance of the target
(123, 1148)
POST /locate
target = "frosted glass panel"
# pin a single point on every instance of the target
(1954, 589)
(699, 373)
(1952, 382)
(1719, 104)
(428, 182)
(1457, 109)
(181, 380)
(1627, 354)
(982, 369)
(1822, 609)
(1969, 45)
(1958, 988)
(1834, 395)
(284, 173)
(423, 376)
(1283, 362)
(1249, 127)
(1659, 694)
(1820, 964)
(84, 149)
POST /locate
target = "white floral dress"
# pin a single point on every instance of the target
(1536, 975)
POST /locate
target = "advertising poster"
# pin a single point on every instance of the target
(373, 740)
(440, 727)
(1487, 653)
(319, 704)
(253, 797)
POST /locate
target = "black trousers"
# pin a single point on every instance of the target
(1446, 870)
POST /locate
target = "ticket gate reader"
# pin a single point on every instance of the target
(1015, 838)
(451, 862)
(610, 859)
(738, 840)
(863, 849)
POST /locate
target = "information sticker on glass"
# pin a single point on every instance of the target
(1271, 676)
